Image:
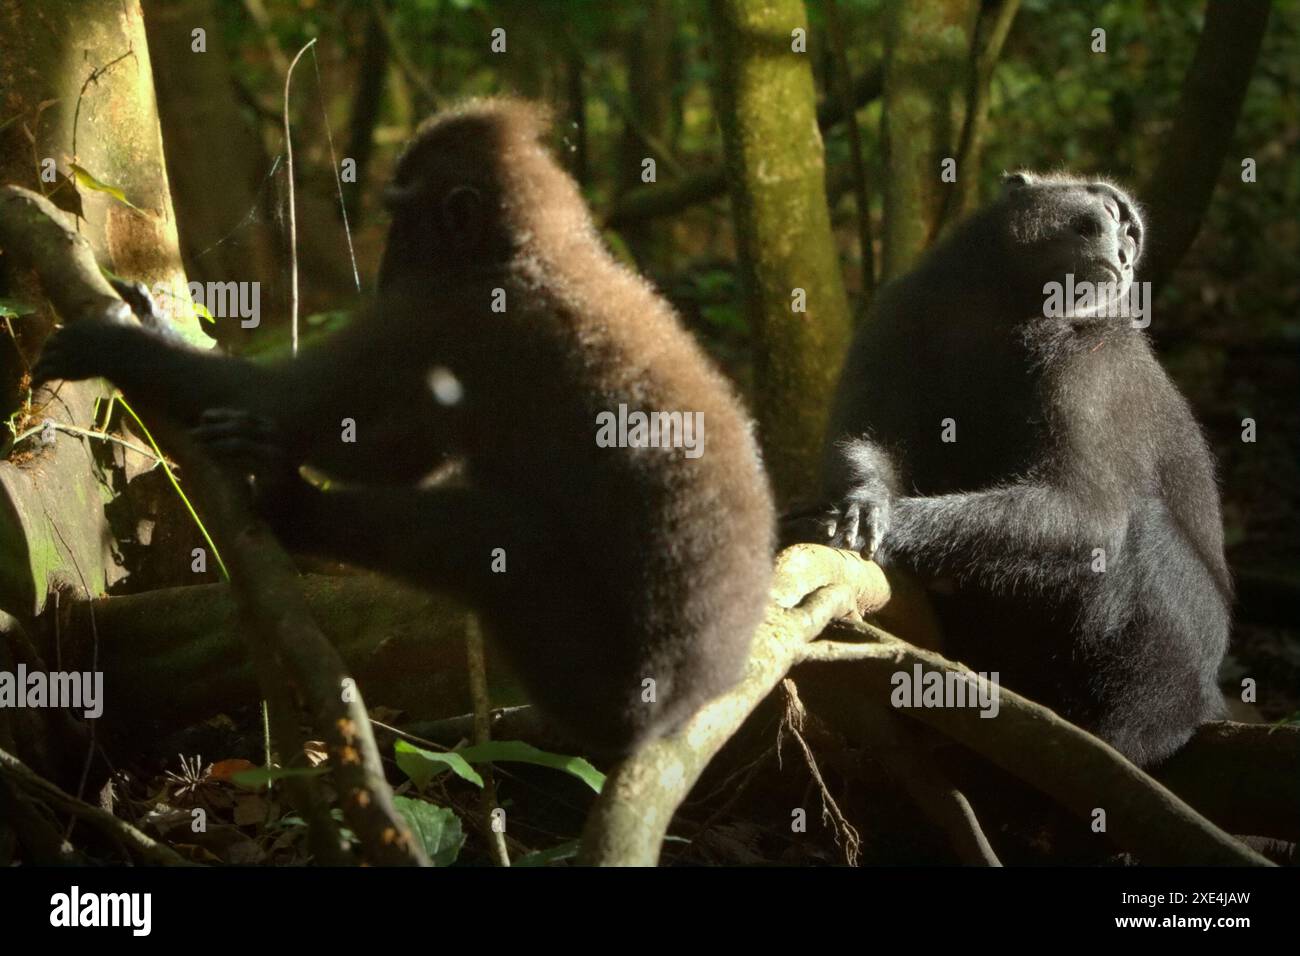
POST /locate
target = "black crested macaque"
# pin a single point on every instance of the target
(617, 565)
(993, 450)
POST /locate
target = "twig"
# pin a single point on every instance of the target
(293, 207)
(844, 831)
(478, 689)
(334, 164)
(94, 76)
(118, 830)
(90, 433)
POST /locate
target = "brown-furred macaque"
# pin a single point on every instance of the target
(1040, 469)
(624, 583)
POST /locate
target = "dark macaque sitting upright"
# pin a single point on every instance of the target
(1040, 471)
(503, 335)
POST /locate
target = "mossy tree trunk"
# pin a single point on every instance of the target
(790, 269)
(77, 87)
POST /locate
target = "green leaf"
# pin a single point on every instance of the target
(423, 765)
(565, 851)
(261, 776)
(437, 829)
(12, 308)
(506, 751)
(84, 178)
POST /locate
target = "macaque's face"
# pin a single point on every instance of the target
(1053, 229)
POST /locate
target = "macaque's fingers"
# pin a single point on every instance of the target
(218, 423)
(847, 535)
(241, 439)
(878, 516)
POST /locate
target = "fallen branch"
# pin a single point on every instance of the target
(119, 831)
(1031, 742)
(406, 647)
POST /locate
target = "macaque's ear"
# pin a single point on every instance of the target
(398, 197)
(1013, 181)
(462, 216)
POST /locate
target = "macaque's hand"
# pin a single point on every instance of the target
(861, 519)
(77, 351)
(252, 446)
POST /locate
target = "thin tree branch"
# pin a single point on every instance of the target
(844, 92)
(991, 31)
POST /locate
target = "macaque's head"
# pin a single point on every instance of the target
(455, 195)
(1052, 225)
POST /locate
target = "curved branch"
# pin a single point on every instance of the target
(813, 586)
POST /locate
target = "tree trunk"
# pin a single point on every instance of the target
(991, 29)
(77, 80)
(648, 56)
(926, 57)
(767, 110)
(211, 151)
(365, 109)
(1178, 194)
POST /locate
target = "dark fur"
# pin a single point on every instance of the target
(623, 563)
(1070, 437)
